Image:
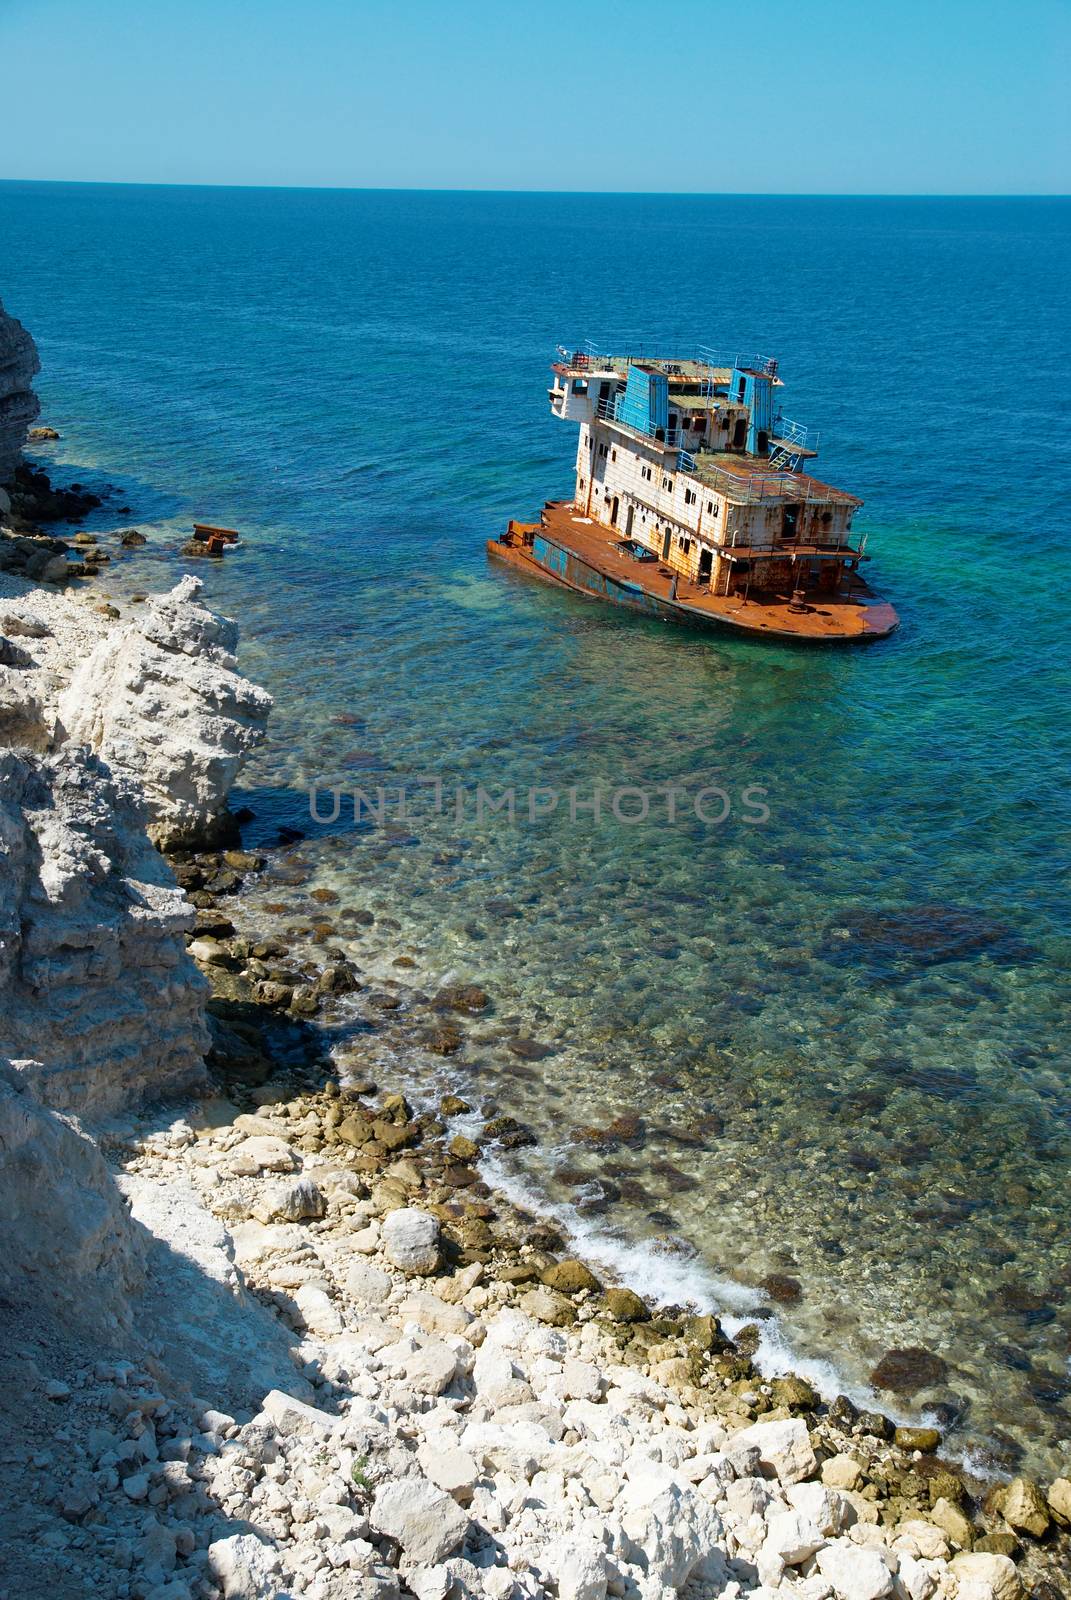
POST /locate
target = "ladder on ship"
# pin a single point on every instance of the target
(788, 445)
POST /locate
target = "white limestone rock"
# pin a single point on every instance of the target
(95, 982)
(915, 1578)
(983, 1576)
(451, 1469)
(792, 1537)
(855, 1573)
(842, 1472)
(578, 1567)
(19, 405)
(428, 1310)
(497, 1380)
(427, 1523)
(293, 1418)
(431, 1369)
(318, 1311)
(244, 1567)
(411, 1240)
(160, 701)
(671, 1532)
(69, 1246)
(830, 1511)
(265, 1153)
(368, 1284)
(784, 1448)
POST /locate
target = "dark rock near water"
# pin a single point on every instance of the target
(925, 1439)
(34, 498)
(926, 935)
(999, 1544)
(445, 1040)
(796, 1393)
(874, 1422)
(785, 1290)
(842, 1411)
(466, 997)
(529, 1049)
(626, 1306)
(907, 1370)
(570, 1277)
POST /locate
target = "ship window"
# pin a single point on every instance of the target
(580, 386)
(712, 509)
(613, 455)
(827, 517)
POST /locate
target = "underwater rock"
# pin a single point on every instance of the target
(909, 1369)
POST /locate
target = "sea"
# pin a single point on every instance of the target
(796, 1049)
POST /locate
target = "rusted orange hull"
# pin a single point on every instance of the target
(571, 552)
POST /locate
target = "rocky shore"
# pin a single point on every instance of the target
(268, 1330)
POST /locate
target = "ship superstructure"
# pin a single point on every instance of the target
(694, 488)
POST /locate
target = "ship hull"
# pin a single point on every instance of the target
(584, 562)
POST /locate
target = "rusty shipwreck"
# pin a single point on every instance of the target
(694, 503)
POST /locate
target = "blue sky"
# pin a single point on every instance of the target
(791, 96)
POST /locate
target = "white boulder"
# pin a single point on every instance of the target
(411, 1240)
(983, 1576)
(829, 1510)
(578, 1567)
(784, 1448)
(451, 1469)
(294, 1418)
(855, 1572)
(426, 1522)
(793, 1537)
(670, 1532)
(244, 1567)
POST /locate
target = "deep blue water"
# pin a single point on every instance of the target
(845, 1030)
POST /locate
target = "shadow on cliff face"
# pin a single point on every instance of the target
(123, 1321)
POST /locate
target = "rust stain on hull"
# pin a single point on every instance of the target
(571, 552)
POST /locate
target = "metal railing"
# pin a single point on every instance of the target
(785, 431)
(669, 438)
(590, 354)
(769, 485)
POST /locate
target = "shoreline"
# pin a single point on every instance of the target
(232, 960)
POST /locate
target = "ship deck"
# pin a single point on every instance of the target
(850, 614)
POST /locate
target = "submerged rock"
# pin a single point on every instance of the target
(908, 1369)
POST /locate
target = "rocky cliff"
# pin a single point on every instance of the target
(115, 731)
(69, 1247)
(101, 1007)
(98, 1000)
(18, 404)
(160, 701)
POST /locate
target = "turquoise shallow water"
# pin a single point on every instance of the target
(844, 1030)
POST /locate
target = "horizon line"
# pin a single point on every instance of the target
(661, 194)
